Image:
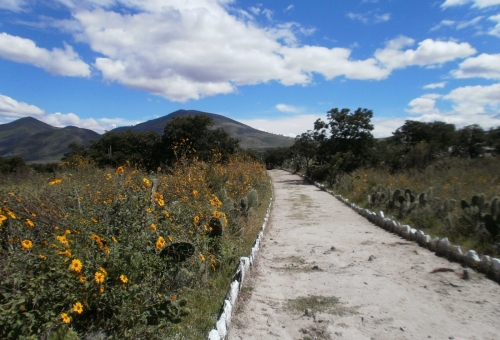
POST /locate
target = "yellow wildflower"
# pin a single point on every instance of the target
(202, 257)
(43, 257)
(62, 239)
(78, 308)
(56, 181)
(101, 289)
(102, 270)
(2, 218)
(76, 266)
(160, 243)
(217, 214)
(123, 278)
(153, 226)
(66, 252)
(196, 219)
(114, 239)
(146, 182)
(27, 244)
(120, 170)
(94, 220)
(83, 279)
(10, 213)
(195, 193)
(65, 318)
(99, 277)
(29, 223)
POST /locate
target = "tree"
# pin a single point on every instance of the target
(471, 141)
(188, 136)
(350, 140)
(306, 147)
(116, 148)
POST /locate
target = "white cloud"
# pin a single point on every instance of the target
(471, 105)
(429, 52)
(10, 107)
(496, 30)
(58, 62)
(424, 104)
(13, 5)
(476, 3)
(287, 126)
(385, 126)
(435, 85)
(289, 8)
(287, 108)
(483, 66)
(369, 17)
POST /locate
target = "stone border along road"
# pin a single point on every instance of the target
(387, 287)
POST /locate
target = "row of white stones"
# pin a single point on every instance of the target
(246, 263)
(443, 247)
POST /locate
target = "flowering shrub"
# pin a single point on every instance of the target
(110, 250)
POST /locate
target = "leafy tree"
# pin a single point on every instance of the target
(306, 147)
(11, 165)
(277, 156)
(188, 136)
(116, 148)
(471, 141)
(350, 140)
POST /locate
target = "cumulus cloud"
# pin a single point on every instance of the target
(369, 17)
(186, 49)
(287, 126)
(63, 62)
(287, 108)
(429, 52)
(435, 85)
(470, 105)
(483, 66)
(12, 109)
(13, 5)
(495, 30)
(476, 3)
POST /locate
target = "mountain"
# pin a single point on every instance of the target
(249, 137)
(37, 142)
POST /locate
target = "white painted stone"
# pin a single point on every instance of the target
(233, 295)
(381, 214)
(413, 234)
(228, 311)
(444, 246)
(420, 236)
(471, 258)
(434, 244)
(221, 326)
(495, 266)
(214, 335)
(426, 241)
(457, 253)
(485, 264)
(405, 230)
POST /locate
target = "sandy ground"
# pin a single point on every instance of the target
(318, 249)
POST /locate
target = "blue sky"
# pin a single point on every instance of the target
(274, 65)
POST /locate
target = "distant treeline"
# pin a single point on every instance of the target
(344, 143)
(183, 137)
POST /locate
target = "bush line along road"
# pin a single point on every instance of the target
(325, 272)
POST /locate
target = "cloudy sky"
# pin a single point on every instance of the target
(274, 65)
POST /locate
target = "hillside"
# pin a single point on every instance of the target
(249, 137)
(37, 142)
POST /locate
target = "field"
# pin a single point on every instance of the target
(119, 253)
(454, 198)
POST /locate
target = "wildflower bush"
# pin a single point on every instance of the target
(456, 198)
(123, 253)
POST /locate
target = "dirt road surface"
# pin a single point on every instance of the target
(324, 272)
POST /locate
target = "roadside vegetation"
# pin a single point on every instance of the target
(429, 175)
(93, 251)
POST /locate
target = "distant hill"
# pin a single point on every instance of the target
(249, 137)
(37, 142)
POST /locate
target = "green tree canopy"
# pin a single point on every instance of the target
(184, 136)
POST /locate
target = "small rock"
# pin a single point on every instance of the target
(333, 248)
(315, 268)
(466, 275)
(371, 258)
(402, 329)
(308, 312)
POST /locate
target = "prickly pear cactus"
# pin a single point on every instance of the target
(492, 220)
(63, 332)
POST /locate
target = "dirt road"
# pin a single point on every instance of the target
(324, 272)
